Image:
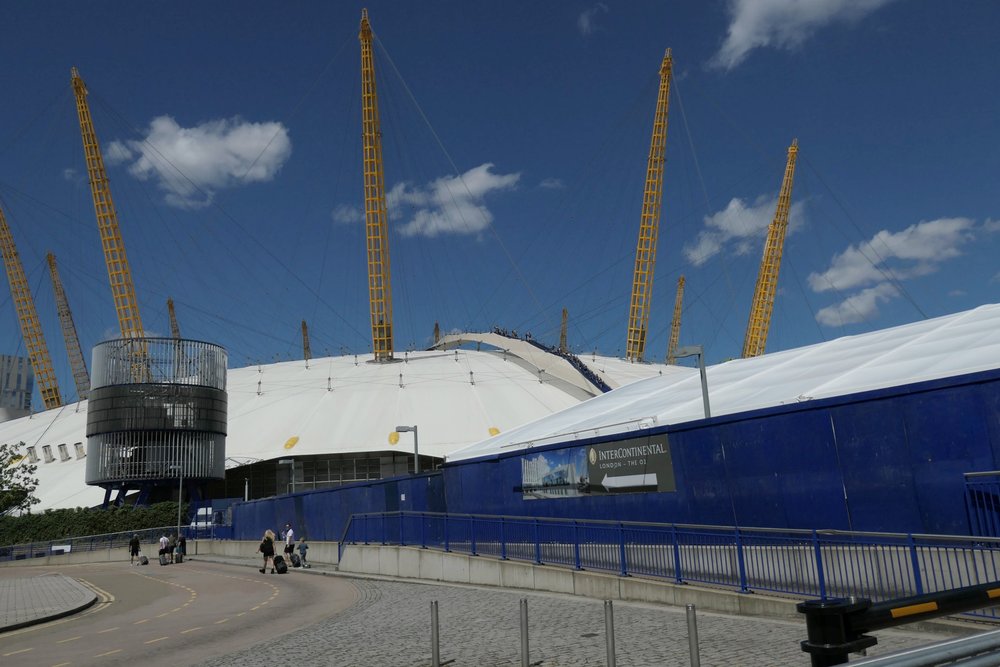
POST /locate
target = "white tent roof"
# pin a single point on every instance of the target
(943, 347)
(340, 405)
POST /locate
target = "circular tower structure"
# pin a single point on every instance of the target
(157, 413)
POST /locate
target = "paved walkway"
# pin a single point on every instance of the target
(31, 600)
(390, 625)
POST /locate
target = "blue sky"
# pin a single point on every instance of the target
(515, 138)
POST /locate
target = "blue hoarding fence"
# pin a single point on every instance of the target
(820, 564)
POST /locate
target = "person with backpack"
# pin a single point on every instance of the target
(267, 548)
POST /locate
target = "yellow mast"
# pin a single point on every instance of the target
(376, 219)
(119, 273)
(770, 264)
(80, 375)
(649, 227)
(175, 331)
(27, 316)
(306, 350)
(675, 324)
(563, 347)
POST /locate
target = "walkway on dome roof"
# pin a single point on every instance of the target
(535, 355)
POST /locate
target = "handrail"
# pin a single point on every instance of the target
(815, 563)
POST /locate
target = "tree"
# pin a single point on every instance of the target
(17, 479)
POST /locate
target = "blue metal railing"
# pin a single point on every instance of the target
(813, 563)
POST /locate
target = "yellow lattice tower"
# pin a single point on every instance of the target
(306, 350)
(27, 316)
(175, 330)
(119, 274)
(563, 346)
(376, 218)
(75, 355)
(649, 227)
(675, 324)
(770, 264)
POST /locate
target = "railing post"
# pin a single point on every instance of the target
(623, 570)
(384, 522)
(538, 545)
(503, 539)
(677, 556)
(402, 537)
(741, 562)
(423, 532)
(915, 563)
(447, 521)
(576, 545)
(820, 574)
(472, 536)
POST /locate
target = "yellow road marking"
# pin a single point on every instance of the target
(101, 632)
(255, 608)
(242, 613)
(71, 639)
(101, 655)
(163, 614)
(145, 620)
(23, 650)
(912, 609)
(184, 632)
(225, 620)
(177, 609)
(62, 664)
(153, 641)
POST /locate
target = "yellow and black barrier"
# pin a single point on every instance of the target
(838, 627)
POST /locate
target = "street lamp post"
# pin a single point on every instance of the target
(697, 351)
(180, 495)
(416, 451)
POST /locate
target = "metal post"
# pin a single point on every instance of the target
(693, 637)
(416, 453)
(609, 631)
(246, 489)
(435, 647)
(180, 499)
(525, 661)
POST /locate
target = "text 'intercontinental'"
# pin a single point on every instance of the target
(630, 452)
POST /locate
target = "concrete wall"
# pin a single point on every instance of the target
(425, 564)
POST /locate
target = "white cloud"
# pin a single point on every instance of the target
(346, 214)
(192, 163)
(995, 278)
(915, 251)
(738, 227)
(448, 205)
(991, 225)
(585, 22)
(552, 184)
(782, 24)
(859, 307)
(116, 153)
(957, 292)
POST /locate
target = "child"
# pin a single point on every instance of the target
(303, 547)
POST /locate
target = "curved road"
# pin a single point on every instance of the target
(176, 615)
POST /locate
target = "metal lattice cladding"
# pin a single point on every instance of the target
(376, 219)
(73, 351)
(27, 316)
(649, 227)
(770, 264)
(119, 274)
(675, 324)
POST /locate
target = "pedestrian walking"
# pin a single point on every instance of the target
(267, 549)
(303, 548)
(133, 550)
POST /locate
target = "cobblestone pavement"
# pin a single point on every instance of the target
(27, 600)
(390, 625)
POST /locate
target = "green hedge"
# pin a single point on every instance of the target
(59, 524)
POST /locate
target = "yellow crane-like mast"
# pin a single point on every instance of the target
(770, 264)
(175, 331)
(27, 315)
(649, 227)
(119, 274)
(675, 324)
(75, 355)
(563, 346)
(306, 350)
(376, 218)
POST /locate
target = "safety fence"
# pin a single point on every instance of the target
(148, 541)
(820, 564)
